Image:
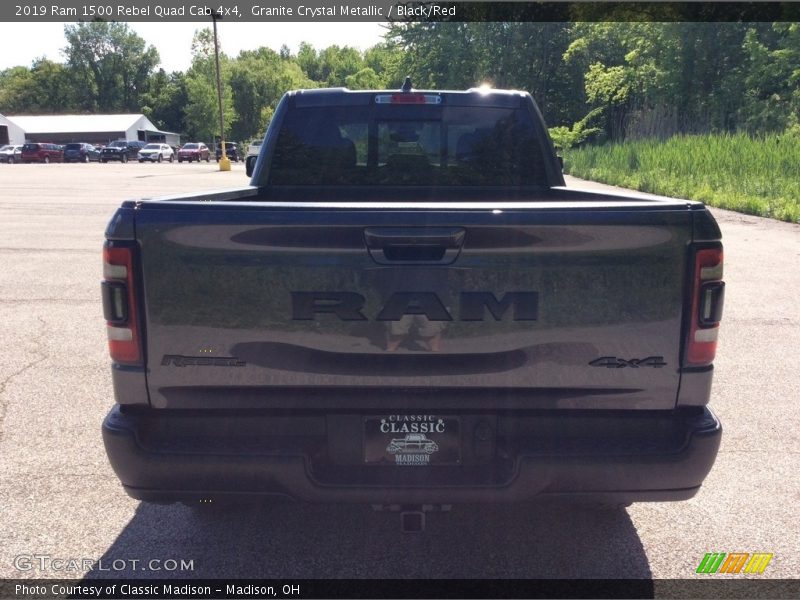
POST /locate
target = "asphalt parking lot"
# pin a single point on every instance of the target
(59, 497)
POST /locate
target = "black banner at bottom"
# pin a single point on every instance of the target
(254, 589)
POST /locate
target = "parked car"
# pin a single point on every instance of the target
(231, 149)
(81, 152)
(42, 152)
(194, 151)
(121, 150)
(252, 156)
(11, 154)
(156, 153)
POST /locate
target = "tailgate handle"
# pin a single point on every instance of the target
(414, 245)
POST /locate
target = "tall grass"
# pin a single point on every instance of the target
(758, 176)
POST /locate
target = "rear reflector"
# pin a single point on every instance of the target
(708, 292)
(114, 271)
(119, 304)
(706, 336)
(711, 273)
(119, 334)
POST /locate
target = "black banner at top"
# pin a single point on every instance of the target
(387, 10)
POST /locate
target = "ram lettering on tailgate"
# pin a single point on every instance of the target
(473, 306)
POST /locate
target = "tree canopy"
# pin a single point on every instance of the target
(111, 65)
(592, 80)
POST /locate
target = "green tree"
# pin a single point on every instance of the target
(385, 63)
(258, 80)
(623, 65)
(164, 103)
(46, 88)
(436, 55)
(336, 64)
(110, 63)
(15, 84)
(565, 138)
(526, 56)
(365, 79)
(772, 78)
(309, 61)
(202, 107)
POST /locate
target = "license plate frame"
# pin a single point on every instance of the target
(411, 440)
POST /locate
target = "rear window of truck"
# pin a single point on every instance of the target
(398, 145)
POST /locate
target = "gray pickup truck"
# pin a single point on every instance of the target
(409, 265)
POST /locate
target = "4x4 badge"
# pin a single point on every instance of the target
(612, 362)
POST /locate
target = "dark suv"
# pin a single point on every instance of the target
(121, 150)
(42, 152)
(231, 149)
(80, 152)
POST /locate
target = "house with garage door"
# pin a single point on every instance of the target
(93, 129)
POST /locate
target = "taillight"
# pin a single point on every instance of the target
(119, 304)
(708, 293)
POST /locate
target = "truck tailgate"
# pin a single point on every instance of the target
(536, 304)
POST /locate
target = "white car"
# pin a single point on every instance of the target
(252, 156)
(11, 154)
(156, 153)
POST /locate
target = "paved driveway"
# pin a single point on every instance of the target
(59, 497)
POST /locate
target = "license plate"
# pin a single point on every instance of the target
(412, 440)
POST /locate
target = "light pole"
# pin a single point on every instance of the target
(224, 161)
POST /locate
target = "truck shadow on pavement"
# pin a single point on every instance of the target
(543, 540)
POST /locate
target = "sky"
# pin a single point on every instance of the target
(173, 40)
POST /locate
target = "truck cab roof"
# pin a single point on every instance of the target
(471, 97)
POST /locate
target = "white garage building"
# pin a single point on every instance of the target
(94, 129)
(10, 133)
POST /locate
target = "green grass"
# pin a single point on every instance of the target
(757, 176)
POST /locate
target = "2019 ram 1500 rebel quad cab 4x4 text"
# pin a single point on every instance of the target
(406, 305)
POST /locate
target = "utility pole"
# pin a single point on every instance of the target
(224, 161)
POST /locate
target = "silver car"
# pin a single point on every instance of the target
(11, 154)
(156, 153)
